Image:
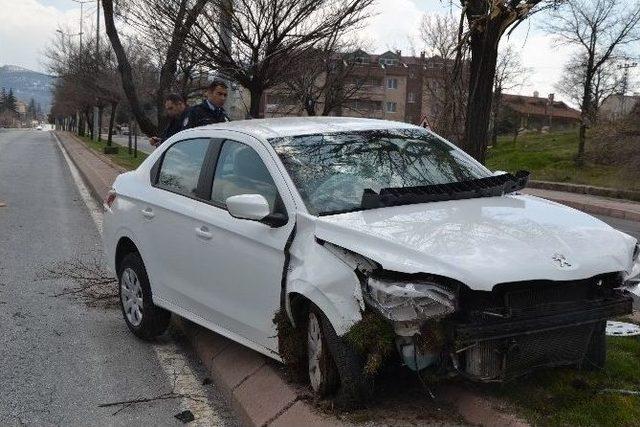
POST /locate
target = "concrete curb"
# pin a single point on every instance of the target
(586, 189)
(252, 383)
(97, 192)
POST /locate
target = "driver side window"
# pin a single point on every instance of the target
(240, 170)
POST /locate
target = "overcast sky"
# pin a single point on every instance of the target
(28, 25)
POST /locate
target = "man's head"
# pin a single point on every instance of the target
(174, 105)
(217, 93)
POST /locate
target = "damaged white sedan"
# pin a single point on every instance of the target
(322, 223)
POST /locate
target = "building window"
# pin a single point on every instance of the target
(392, 83)
(391, 107)
(411, 98)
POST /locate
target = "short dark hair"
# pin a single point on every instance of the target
(175, 98)
(217, 82)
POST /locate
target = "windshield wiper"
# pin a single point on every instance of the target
(482, 187)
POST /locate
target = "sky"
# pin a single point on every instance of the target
(29, 25)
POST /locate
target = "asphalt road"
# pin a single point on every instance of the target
(59, 357)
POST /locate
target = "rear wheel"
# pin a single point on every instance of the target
(143, 318)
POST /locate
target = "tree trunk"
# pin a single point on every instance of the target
(484, 57)
(497, 104)
(114, 108)
(126, 74)
(256, 98)
(100, 112)
(586, 112)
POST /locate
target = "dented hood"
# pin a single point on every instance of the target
(483, 242)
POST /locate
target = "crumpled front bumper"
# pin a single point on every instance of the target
(498, 349)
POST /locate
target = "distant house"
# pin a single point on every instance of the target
(617, 107)
(534, 112)
(21, 108)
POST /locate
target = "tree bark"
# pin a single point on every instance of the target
(484, 57)
(114, 108)
(126, 74)
(586, 107)
(254, 107)
(100, 113)
(184, 23)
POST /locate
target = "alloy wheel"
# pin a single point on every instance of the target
(131, 296)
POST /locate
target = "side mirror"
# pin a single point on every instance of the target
(248, 206)
(498, 173)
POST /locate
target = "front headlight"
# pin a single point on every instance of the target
(409, 301)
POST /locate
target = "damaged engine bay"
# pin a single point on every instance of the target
(490, 336)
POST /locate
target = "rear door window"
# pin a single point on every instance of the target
(182, 165)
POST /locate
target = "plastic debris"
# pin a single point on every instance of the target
(185, 416)
(622, 329)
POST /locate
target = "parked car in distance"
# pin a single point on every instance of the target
(39, 127)
(326, 219)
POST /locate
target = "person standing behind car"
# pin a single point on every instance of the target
(176, 110)
(211, 110)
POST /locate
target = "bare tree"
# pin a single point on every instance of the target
(269, 35)
(446, 80)
(600, 29)
(487, 21)
(510, 75)
(607, 81)
(169, 22)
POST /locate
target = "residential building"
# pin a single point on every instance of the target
(387, 86)
(534, 112)
(618, 106)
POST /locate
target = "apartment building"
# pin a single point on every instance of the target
(387, 86)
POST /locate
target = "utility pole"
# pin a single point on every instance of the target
(96, 134)
(81, 3)
(625, 84)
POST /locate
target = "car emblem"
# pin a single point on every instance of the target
(561, 261)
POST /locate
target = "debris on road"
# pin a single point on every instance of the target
(622, 329)
(185, 416)
(94, 285)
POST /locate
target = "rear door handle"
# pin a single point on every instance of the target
(148, 213)
(204, 233)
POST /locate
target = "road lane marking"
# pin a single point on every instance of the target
(174, 364)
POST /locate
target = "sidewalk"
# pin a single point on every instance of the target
(616, 208)
(97, 171)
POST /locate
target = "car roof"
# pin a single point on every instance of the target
(294, 126)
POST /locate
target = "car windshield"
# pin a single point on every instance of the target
(332, 171)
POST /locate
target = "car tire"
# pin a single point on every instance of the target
(596, 355)
(353, 386)
(321, 368)
(143, 318)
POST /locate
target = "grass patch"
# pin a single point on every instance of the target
(122, 158)
(550, 157)
(564, 397)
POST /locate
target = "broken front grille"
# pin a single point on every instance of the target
(519, 327)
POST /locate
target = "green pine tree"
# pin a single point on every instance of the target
(3, 100)
(10, 102)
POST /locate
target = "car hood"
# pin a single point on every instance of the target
(483, 242)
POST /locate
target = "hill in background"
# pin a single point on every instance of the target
(27, 84)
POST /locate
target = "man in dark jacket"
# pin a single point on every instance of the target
(211, 110)
(176, 111)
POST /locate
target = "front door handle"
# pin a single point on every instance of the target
(204, 233)
(148, 213)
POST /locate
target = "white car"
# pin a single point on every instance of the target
(326, 219)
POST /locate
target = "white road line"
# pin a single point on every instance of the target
(174, 365)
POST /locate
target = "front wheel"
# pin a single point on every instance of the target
(323, 375)
(143, 318)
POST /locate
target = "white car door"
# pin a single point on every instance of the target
(169, 229)
(242, 263)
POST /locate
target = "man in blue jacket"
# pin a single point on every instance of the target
(211, 110)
